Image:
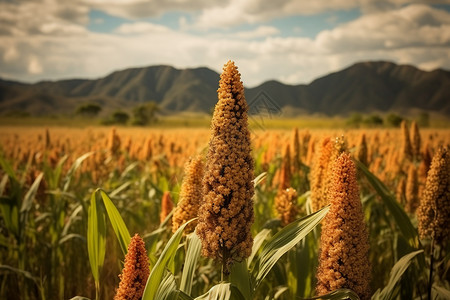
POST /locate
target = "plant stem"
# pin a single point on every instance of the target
(225, 271)
(430, 280)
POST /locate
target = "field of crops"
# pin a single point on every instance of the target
(282, 214)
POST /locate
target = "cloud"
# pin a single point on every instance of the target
(54, 44)
(411, 26)
(141, 28)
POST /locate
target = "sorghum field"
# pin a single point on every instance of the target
(110, 213)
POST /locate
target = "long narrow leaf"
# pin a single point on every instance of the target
(396, 274)
(283, 241)
(155, 278)
(120, 229)
(340, 294)
(96, 237)
(222, 291)
(401, 218)
(166, 288)
(190, 263)
(257, 242)
(29, 196)
(73, 168)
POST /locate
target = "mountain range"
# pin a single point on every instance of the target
(364, 87)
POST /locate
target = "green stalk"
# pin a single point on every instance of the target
(430, 279)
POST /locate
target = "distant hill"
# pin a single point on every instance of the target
(363, 87)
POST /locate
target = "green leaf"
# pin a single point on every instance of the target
(73, 168)
(194, 246)
(96, 237)
(283, 241)
(397, 271)
(340, 294)
(240, 277)
(166, 288)
(401, 218)
(257, 242)
(121, 230)
(155, 278)
(29, 196)
(222, 291)
(23, 273)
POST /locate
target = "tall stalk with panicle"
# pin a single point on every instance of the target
(226, 214)
(434, 209)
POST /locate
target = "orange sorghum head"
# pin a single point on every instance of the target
(286, 205)
(190, 195)
(226, 214)
(344, 243)
(434, 210)
(135, 271)
(166, 206)
(318, 173)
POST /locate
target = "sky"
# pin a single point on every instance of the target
(292, 41)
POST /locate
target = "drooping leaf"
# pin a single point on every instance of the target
(120, 229)
(340, 294)
(156, 275)
(397, 271)
(190, 263)
(401, 218)
(283, 241)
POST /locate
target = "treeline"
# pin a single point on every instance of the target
(142, 114)
(357, 120)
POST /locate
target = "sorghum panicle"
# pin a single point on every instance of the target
(344, 243)
(135, 271)
(434, 210)
(166, 206)
(190, 195)
(226, 214)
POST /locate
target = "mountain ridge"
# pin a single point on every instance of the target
(365, 87)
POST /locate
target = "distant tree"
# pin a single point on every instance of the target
(393, 120)
(355, 120)
(424, 119)
(88, 110)
(373, 120)
(145, 114)
(120, 117)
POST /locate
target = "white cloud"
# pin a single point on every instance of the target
(52, 47)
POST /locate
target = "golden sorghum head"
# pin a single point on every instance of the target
(401, 190)
(434, 210)
(286, 205)
(412, 190)
(296, 151)
(425, 163)
(318, 173)
(226, 214)
(113, 142)
(406, 150)
(361, 151)
(415, 137)
(285, 172)
(135, 271)
(166, 206)
(344, 243)
(190, 195)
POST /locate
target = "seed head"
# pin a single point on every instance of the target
(434, 210)
(135, 271)
(226, 214)
(166, 206)
(190, 195)
(344, 243)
